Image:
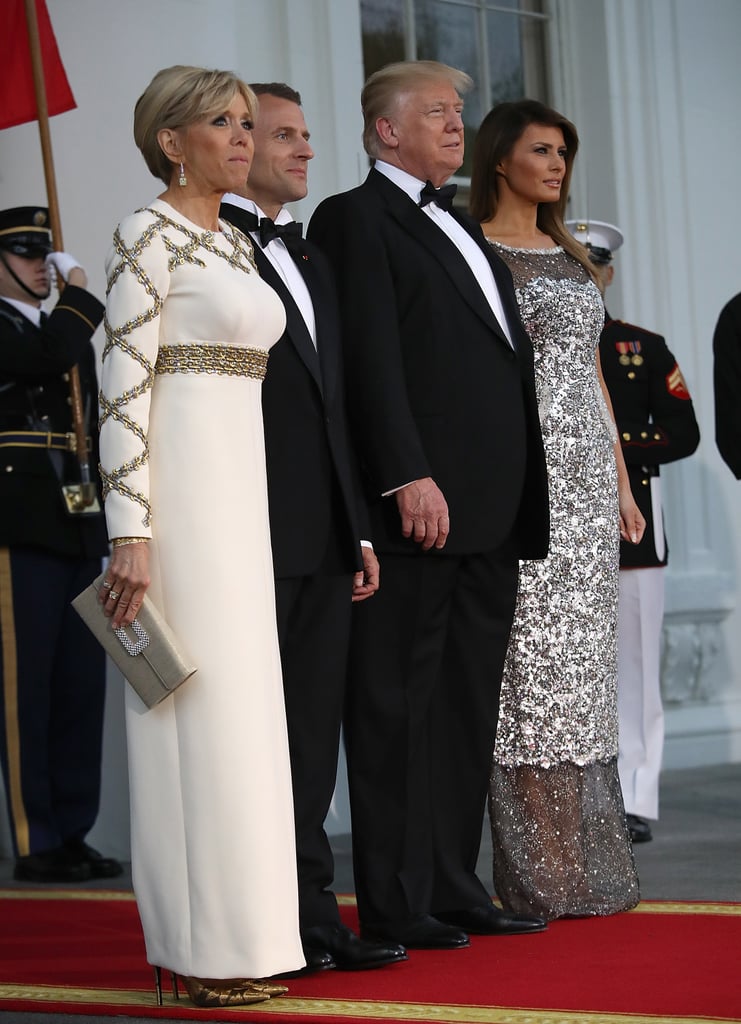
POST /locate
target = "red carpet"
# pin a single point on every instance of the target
(82, 953)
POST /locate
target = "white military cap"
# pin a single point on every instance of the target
(600, 238)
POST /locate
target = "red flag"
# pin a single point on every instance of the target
(17, 98)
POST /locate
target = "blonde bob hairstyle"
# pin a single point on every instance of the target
(178, 97)
(386, 88)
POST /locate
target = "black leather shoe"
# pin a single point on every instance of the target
(489, 920)
(349, 952)
(316, 960)
(639, 829)
(50, 866)
(78, 852)
(420, 932)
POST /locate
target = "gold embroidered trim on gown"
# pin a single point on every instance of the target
(229, 360)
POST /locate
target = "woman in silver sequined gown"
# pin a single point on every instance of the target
(560, 841)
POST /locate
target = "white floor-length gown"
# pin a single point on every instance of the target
(189, 323)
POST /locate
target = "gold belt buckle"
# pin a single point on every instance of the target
(80, 499)
(72, 442)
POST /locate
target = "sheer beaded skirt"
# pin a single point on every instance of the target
(560, 842)
(561, 845)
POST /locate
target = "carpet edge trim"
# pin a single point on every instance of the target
(323, 1008)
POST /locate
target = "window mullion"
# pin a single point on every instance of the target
(410, 30)
(485, 73)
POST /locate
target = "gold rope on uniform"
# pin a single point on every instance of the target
(228, 360)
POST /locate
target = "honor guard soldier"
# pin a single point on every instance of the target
(52, 538)
(657, 424)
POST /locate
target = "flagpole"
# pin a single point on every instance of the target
(85, 497)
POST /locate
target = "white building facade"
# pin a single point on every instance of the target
(653, 87)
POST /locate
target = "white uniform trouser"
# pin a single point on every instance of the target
(640, 712)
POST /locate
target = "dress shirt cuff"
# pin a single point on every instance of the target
(395, 489)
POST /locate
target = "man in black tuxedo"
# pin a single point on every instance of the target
(52, 669)
(443, 407)
(317, 515)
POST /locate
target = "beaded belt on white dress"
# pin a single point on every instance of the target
(230, 360)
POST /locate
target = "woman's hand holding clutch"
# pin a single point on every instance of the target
(126, 580)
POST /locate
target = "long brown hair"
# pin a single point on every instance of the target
(496, 137)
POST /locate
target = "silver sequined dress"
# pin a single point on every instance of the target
(560, 841)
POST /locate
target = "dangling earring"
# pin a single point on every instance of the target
(182, 180)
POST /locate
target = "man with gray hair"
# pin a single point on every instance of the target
(442, 401)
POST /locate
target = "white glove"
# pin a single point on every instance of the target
(62, 263)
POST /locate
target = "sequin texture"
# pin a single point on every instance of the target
(560, 841)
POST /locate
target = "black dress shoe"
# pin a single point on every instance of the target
(489, 920)
(316, 960)
(50, 866)
(639, 829)
(420, 932)
(349, 952)
(78, 852)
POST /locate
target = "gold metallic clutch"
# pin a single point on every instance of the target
(147, 653)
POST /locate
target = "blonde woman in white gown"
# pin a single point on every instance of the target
(188, 327)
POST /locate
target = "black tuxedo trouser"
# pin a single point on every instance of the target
(52, 694)
(314, 632)
(426, 661)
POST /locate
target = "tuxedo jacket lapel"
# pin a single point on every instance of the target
(296, 329)
(322, 299)
(436, 242)
(503, 278)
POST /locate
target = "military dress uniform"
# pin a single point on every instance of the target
(52, 669)
(656, 424)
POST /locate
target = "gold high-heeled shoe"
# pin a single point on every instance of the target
(262, 985)
(217, 991)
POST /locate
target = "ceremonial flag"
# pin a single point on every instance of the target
(17, 96)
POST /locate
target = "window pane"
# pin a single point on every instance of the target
(509, 62)
(534, 54)
(505, 57)
(448, 32)
(383, 33)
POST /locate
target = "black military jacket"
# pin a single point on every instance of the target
(34, 396)
(655, 418)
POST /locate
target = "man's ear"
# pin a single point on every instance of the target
(386, 130)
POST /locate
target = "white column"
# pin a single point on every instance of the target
(657, 86)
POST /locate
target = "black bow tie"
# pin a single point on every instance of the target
(268, 230)
(442, 196)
